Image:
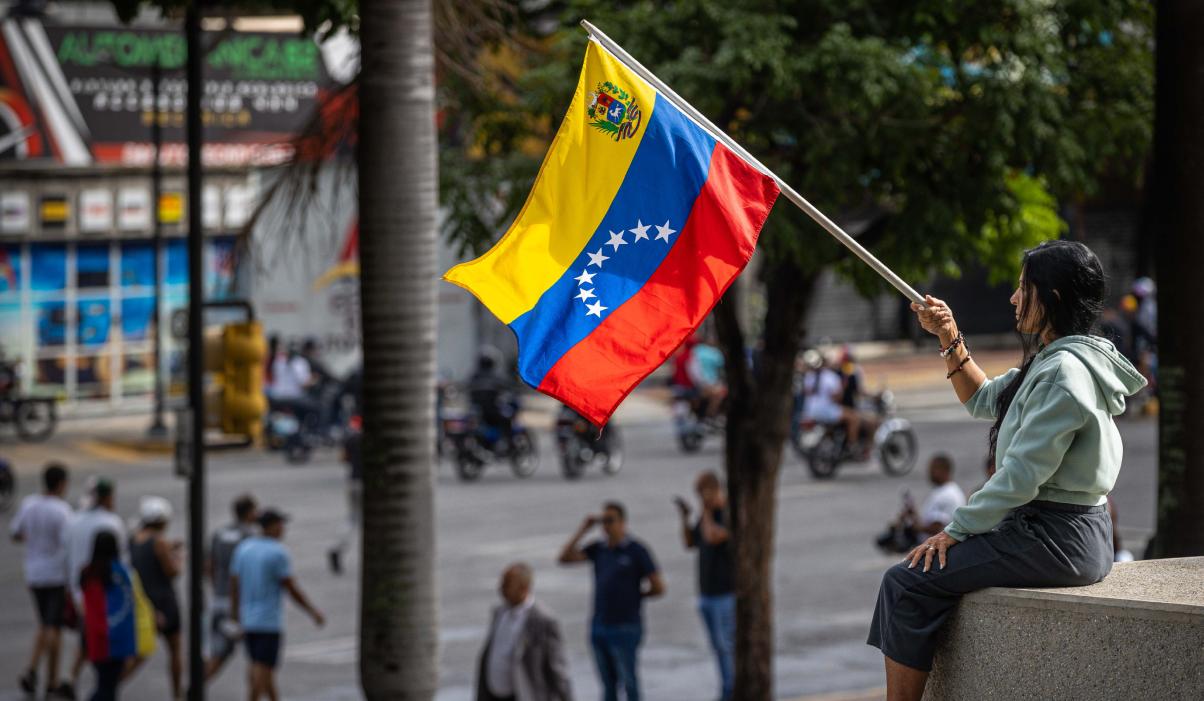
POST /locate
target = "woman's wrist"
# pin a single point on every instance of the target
(947, 336)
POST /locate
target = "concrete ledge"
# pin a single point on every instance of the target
(1139, 634)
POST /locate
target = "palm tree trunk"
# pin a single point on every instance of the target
(397, 202)
(758, 422)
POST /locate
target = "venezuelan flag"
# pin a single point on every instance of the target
(118, 618)
(638, 222)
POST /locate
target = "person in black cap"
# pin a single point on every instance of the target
(259, 572)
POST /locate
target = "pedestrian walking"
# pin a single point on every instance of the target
(223, 635)
(524, 658)
(624, 575)
(158, 562)
(98, 517)
(117, 626)
(710, 536)
(353, 457)
(1041, 520)
(260, 571)
(41, 526)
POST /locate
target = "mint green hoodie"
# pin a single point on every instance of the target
(1058, 441)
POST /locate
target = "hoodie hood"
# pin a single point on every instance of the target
(1114, 375)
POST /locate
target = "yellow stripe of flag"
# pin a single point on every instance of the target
(578, 180)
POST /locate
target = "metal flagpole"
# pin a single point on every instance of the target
(790, 193)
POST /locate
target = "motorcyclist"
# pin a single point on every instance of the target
(821, 390)
(705, 369)
(490, 396)
(852, 385)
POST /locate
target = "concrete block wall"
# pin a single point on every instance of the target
(1139, 634)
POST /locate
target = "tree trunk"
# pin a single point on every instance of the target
(397, 202)
(1178, 192)
(758, 422)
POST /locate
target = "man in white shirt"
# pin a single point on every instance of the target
(41, 525)
(821, 392)
(291, 377)
(938, 507)
(523, 659)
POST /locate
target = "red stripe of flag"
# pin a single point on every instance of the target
(716, 243)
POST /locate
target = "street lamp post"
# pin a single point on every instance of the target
(196, 361)
(157, 428)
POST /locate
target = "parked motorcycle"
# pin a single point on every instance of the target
(691, 423)
(34, 418)
(825, 447)
(476, 444)
(582, 445)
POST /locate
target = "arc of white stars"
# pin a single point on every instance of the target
(596, 309)
(597, 258)
(616, 240)
(663, 232)
(640, 230)
(585, 295)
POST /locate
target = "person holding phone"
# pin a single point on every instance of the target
(709, 535)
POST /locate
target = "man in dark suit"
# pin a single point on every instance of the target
(523, 659)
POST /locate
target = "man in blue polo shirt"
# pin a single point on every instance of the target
(622, 565)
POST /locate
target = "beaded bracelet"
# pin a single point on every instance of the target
(961, 338)
(959, 367)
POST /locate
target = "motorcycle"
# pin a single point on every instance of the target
(825, 447)
(691, 423)
(34, 418)
(581, 445)
(8, 485)
(476, 444)
(292, 431)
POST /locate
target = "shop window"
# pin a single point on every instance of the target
(137, 264)
(92, 266)
(92, 376)
(93, 321)
(137, 373)
(137, 318)
(177, 262)
(48, 267)
(10, 271)
(51, 324)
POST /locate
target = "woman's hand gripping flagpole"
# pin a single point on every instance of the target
(791, 194)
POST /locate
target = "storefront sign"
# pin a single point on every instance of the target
(89, 91)
(133, 209)
(95, 210)
(14, 212)
(54, 211)
(171, 208)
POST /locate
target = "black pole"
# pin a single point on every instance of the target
(157, 428)
(196, 361)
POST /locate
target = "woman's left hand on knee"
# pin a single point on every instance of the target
(936, 546)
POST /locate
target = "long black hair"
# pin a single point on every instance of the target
(1063, 293)
(104, 552)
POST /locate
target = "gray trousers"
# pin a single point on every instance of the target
(1040, 544)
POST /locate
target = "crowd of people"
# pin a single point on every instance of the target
(523, 658)
(116, 587)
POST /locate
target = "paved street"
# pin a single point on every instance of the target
(825, 581)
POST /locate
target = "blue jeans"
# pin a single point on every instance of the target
(615, 648)
(719, 616)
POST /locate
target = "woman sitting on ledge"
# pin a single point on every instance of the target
(1040, 521)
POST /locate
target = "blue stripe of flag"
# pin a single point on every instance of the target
(666, 174)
